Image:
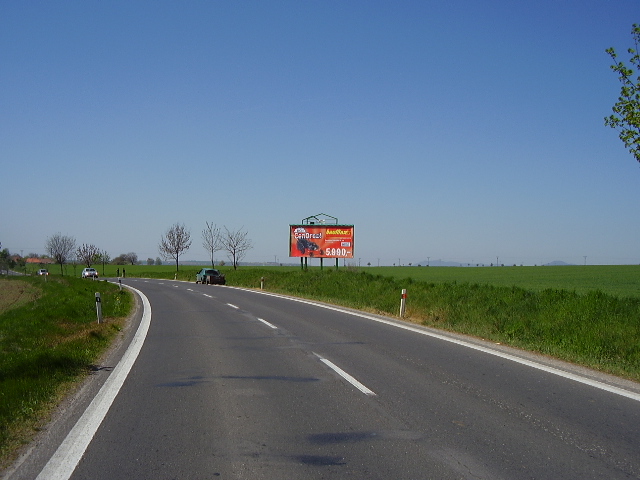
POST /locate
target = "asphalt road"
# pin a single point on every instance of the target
(241, 385)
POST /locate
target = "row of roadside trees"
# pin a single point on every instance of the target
(62, 249)
(173, 243)
(177, 240)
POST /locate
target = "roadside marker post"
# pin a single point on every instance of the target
(403, 302)
(261, 283)
(99, 307)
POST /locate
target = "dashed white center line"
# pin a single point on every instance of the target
(267, 323)
(346, 376)
(207, 295)
(233, 306)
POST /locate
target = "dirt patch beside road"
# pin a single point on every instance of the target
(14, 293)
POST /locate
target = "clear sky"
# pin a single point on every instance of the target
(460, 130)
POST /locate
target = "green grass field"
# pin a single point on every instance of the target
(617, 280)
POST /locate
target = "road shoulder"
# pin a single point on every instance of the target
(41, 448)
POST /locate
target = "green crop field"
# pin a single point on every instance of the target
(617, 280)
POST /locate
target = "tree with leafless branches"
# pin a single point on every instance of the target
(175, 242)
(104, 258)
(60, 248)
(236, 244)
(211, 240)
(87, 254)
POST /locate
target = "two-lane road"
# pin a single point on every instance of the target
(238, 384)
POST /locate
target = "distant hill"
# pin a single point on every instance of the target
(446, 263)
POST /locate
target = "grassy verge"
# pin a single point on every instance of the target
(593, 329)
(49, 338)
(589, 315)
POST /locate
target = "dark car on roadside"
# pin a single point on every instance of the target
(210, 276)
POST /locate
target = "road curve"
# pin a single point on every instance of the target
(232, 383)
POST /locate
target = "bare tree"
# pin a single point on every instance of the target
(176, 241)
(131, 257)
(121, 259)
(104, 258)
(60, 248)
(87, 254)
(236, 245)
(211, 240)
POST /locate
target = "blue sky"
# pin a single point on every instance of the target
(460, 130)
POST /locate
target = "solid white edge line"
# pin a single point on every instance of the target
(65, 460)
(267, 323)
(506, 356)
(346, 376)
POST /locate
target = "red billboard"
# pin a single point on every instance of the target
(321, 241)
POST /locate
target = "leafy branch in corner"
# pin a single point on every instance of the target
(626, 111)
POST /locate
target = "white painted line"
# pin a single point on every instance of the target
(555, 371)
(267, 323)
(207, 295)
(62, 464)
(232, 305)
(346, 376)
(189, 289)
